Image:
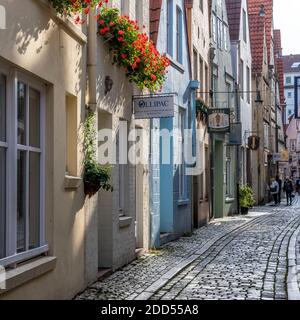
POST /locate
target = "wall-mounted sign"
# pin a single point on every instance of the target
(153, 107)
(282, 156)
(235, 135)
(253, 142)
(218, 120)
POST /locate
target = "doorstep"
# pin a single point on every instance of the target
(104, 273)
(139, 252)
(167, 237)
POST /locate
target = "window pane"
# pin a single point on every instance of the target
(34, 118)
(2, 201)
(21, 113)
(21, 198)
(2, 108)
(34, 200)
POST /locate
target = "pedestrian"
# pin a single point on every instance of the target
(279, 181)
(288, 188)
(274, 189)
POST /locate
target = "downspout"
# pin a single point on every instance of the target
(238, 148)
(91, 205)
(92, 62)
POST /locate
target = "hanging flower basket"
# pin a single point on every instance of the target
(132, 50)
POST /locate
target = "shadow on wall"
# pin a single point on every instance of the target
(118, 99)
(28, 30)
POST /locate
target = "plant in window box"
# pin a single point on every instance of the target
(132, 50)
(246, 198)
(95, 176)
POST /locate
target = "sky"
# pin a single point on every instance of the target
(287, 19)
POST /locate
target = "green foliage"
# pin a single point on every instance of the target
(96, 177)
(246, 197)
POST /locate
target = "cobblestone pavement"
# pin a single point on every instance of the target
(240, 258)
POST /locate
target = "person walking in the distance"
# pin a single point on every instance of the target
(274, 189)
(288, 188)
(279, 181)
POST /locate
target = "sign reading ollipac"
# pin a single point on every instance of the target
(219, 120)
(154, 107)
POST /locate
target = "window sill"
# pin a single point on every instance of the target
(229, 200)
(124, 222)
(177, 65)
(183, 202)
(72, 183)
(27, 272)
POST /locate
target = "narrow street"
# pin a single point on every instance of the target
(246, 257)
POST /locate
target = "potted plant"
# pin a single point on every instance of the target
(246, 199)
(96, 177)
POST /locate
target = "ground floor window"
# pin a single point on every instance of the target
(21, 167)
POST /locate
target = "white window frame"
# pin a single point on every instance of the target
(13, 76)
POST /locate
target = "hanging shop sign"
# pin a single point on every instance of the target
(153, 107)
(219, 120)
(253, 142)
(235, 135)
(282, 156)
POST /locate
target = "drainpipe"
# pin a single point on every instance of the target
(91, 205)
(92, 61)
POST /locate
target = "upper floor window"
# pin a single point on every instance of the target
(195, 61)
(201, 5)
(288, 80)
(170, 27)
(225, 36)
(220, 34)
(214, 27)
(293, 145)
(290, 95)
(179, 21)
(248, 84)
(241, 72)
(244, 26)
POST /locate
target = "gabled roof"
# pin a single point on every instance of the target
(289, 61)
(257, 36)
(254, 7)
(234, 18)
